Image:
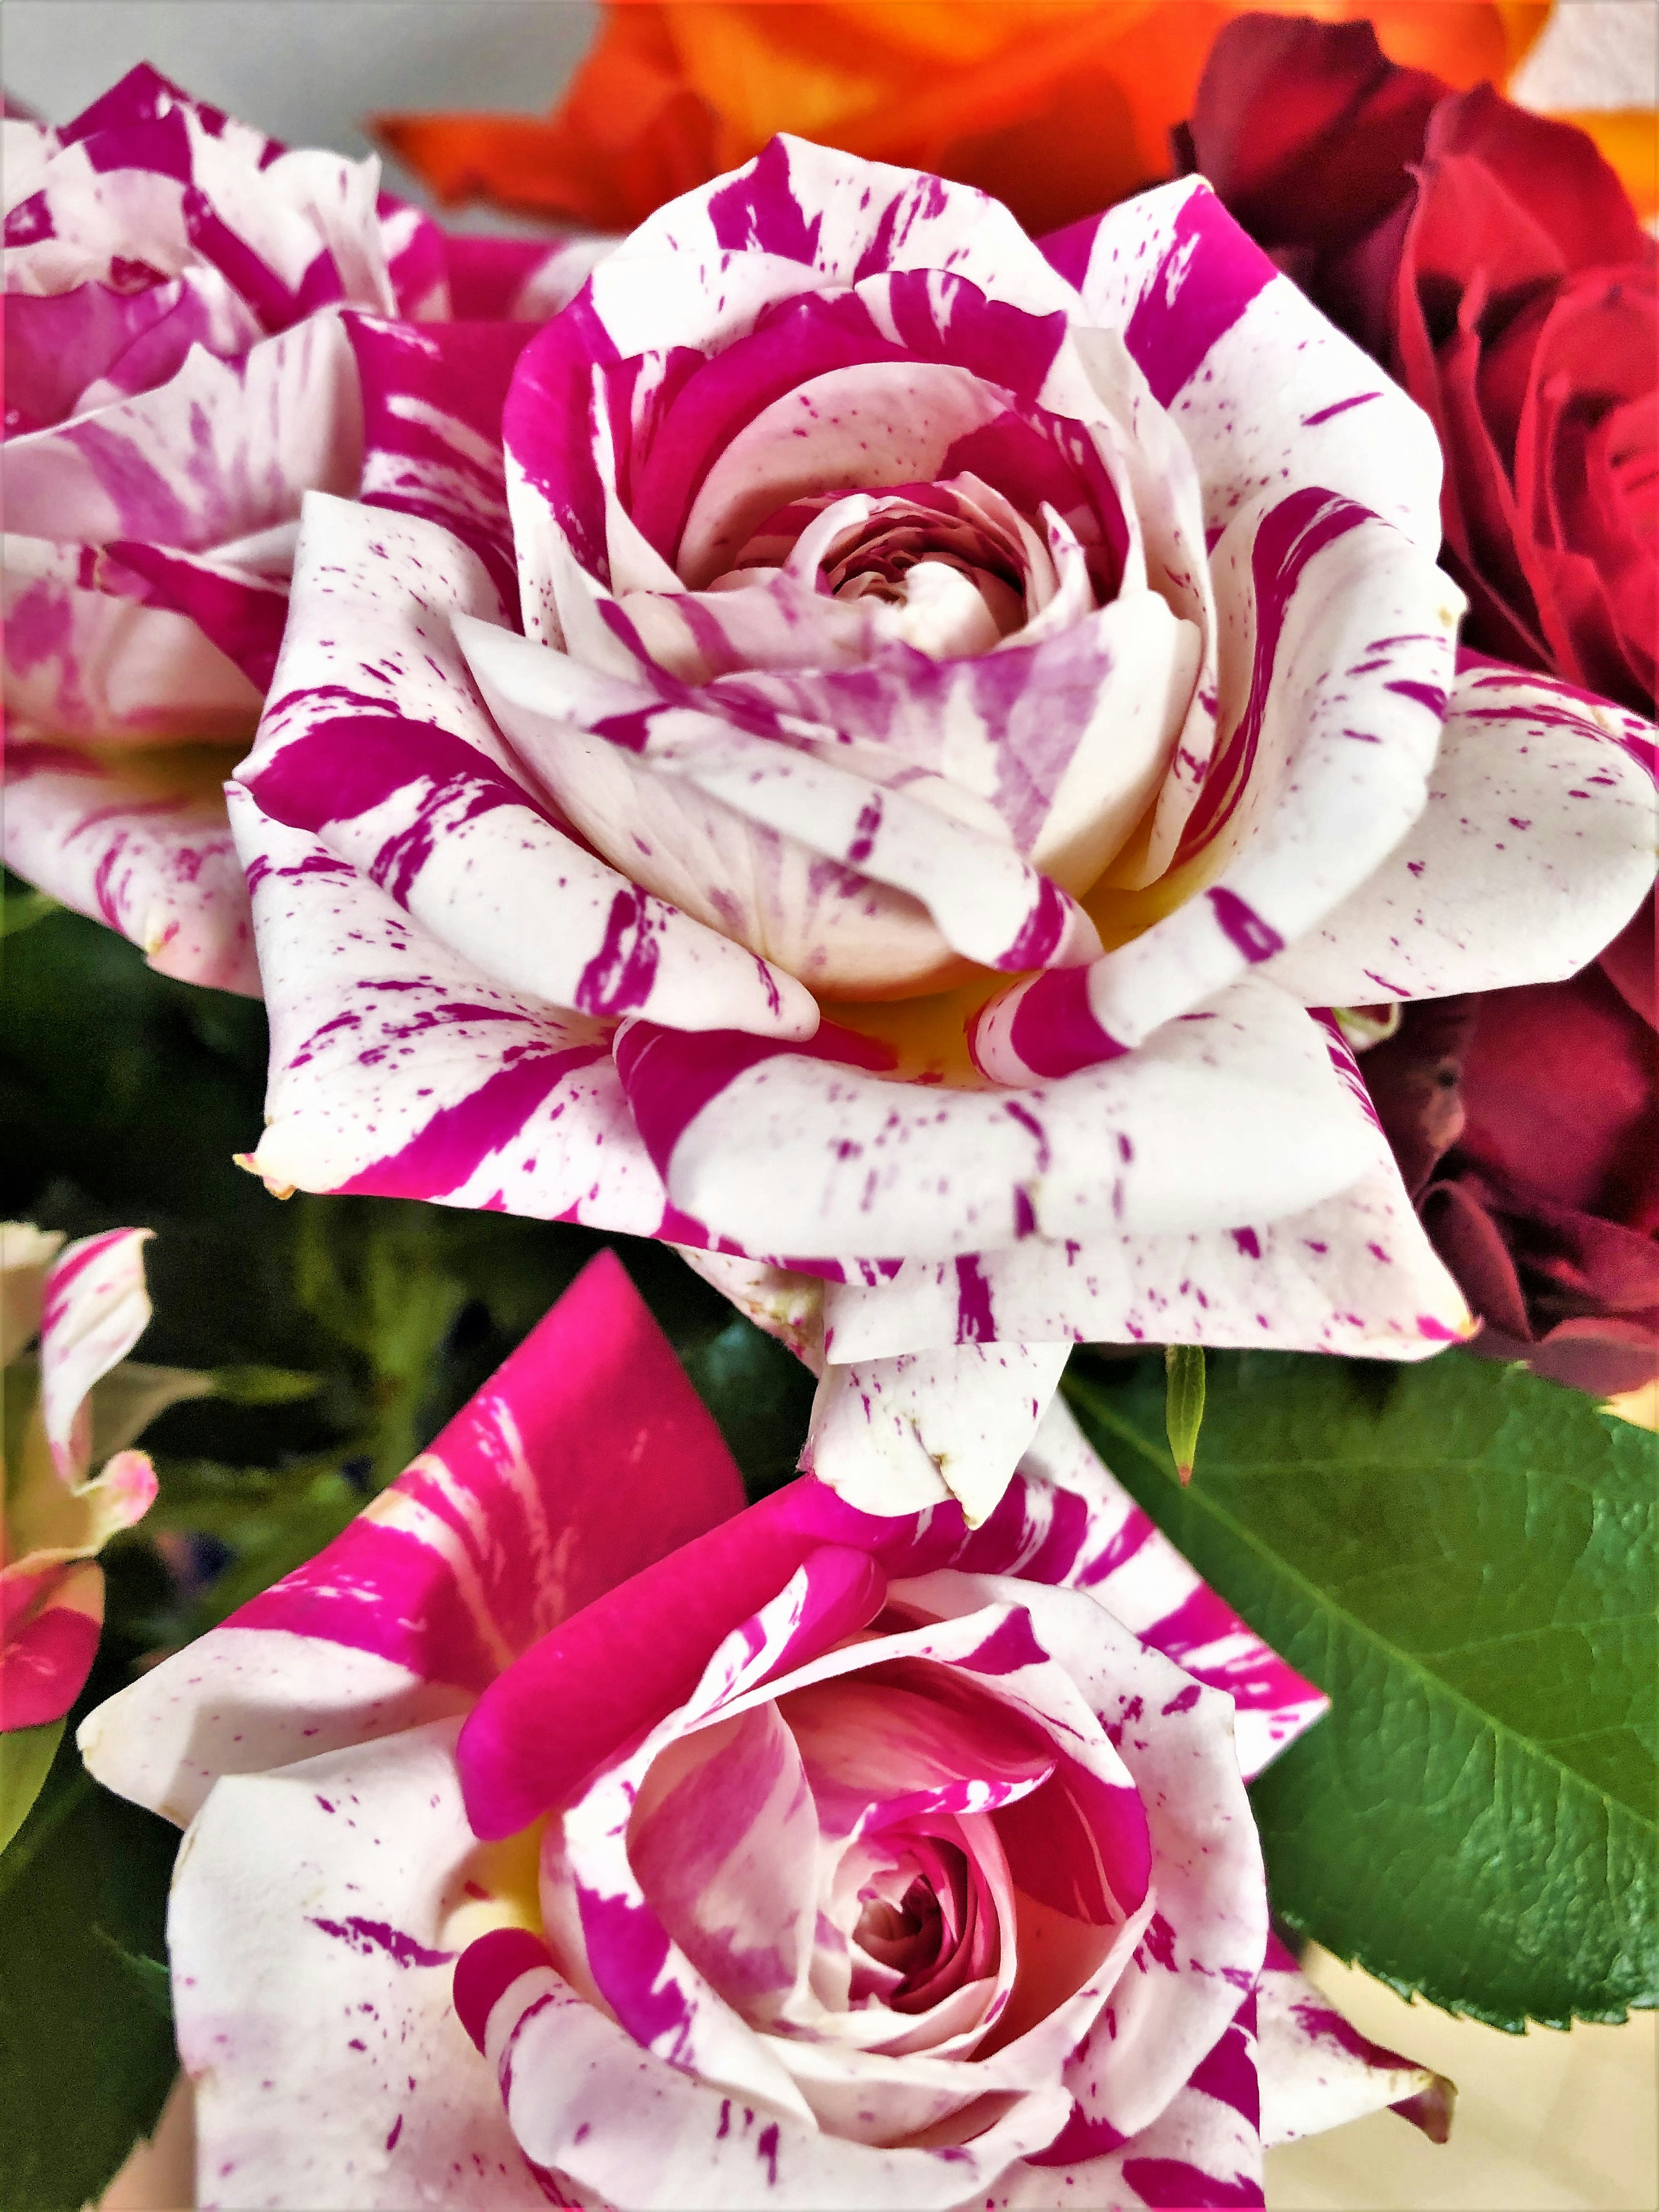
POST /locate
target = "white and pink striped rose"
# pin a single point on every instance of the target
(884, 798)
(69, 1317)
(177, 377)
(564, 1831)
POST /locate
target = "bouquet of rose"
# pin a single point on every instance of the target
(867, 800)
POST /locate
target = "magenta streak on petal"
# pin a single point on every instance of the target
(1426, 695)
(1041, 931)
(1286, 539)
(352, 763)
(1436, 1331)
(1247, 1242)
(28, 222)
(1171, 2182)
(1129, 1539)
(1229, 2074)
(246, 621)
(159, 144)
(766, 2149)
(488, 1968)
(619, 977)
(1068, 251)
(626, 1949)
(670, 1075)
(371, 1936)
(1080, 2139)
(257, 284)
(758, 212)
(975, 1323)
(1012, 1644)
(1209, 276)
(1053, 1032)
(441, 1156)
(1256, 939)
(1183, 1700)
(1337, 407)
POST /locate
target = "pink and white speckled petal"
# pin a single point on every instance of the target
(898, 1435)
(1352, 1273)
(221, 450)
(1330, 717)
(1266, 391)
(315, 1919)
(1237, 1109)
(89, 656)
(96, 1310)
(140, 845)
(1069, 1521)
(1318, 2071)
(50, 1617)
(1535, 849)
(987, 903)
(398, 1070)
(374, 739)
(680, 2141)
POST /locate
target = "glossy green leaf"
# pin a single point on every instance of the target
(25, 1757)
(1463, 1556)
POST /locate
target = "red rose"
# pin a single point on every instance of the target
(1492, 261)
(1524, 1123)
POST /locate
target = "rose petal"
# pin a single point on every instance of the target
(370, 678)
(50, 1620)
(1235, 1109)
(1262, 387)
(222, 449)
(898, 1435)
(90, 653)
(523, 1110)
(1318, 2071)
(1311, 787)
(1534, 848)
(308, 1936)
(96, 1308)
(1354, 1272)
(139, 845)
(524, 1509)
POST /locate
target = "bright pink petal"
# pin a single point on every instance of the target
(546, 1488)
(48, 1640)
(111, 839)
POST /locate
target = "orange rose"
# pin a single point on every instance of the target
(1057, 108)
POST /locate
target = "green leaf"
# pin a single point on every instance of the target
(1183, 1404)
(250, 1384)
(762, 1397)
(1463, 1556)
(25, 1757)
(19, 910)
(86, 2057)
(150, 1977)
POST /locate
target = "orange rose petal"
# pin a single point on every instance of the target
(1057, 106)
(1627, 139)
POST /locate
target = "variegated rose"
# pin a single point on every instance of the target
(71, 1397)
(952, 716)
(177, 376)
(563, 1832)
